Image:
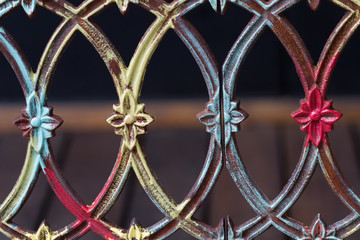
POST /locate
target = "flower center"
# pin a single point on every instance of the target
(129, 119)
(315, 115)
(318, 238)
(35, 122)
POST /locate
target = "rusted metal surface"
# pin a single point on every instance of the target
(221, 116)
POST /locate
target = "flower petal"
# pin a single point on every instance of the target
(27, 132)
(213, 4)
(305, 127)
(301, 116)
(116, 120)
(119, 131)
(211, 107)
(318, 228)
(314, 4)
(143, 119)
(29, 7)
(128, 103)
(234, 128)
(315, 99)
(233, 106)
(220, 231)
(139, 130)
(217, 133)
(315, 133)
(140, 108)
(130, 136)
(46, 111)
(22, 123)
(44, 232)
(24, 112)
(37, 138)
(306, 235)
(236, 117)
(327, 104)
(33, 105)
(231, 234)
(327, 127)
(305, 105)
(227, 132)
(123, 5)
(51, 123)
(207, 118)
(47, 133)
(330, 116)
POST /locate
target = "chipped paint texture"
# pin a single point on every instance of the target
(222, 117)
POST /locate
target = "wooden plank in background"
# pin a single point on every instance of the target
(32, 213)
(173, 113)
(257, 146)
(88, 163)
(174, 157)
(318, 197)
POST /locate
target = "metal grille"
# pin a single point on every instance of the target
(221, 117)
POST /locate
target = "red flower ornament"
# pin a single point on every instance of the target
(316, 116)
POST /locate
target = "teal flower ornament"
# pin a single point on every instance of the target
(211, 117)
(233, 116)
(222, 5)
(29, 7)
(37, 122)
(226, 230)
(7, 6)
(318, 231)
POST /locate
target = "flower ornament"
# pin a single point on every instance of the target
(317, 231)
(29, 7)
(314, 4)
(222, 3)
(226, 230)
(136, 232)
(211, 117)
(37, 122)
(233, 116)
(129, 119)
(123, 5)
(8, 5)
(316, 116)
(43, 233)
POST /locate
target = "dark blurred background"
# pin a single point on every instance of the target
(172, 72)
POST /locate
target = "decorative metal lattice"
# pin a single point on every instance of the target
(222, 117)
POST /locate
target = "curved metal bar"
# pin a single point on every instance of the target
(22, 188)
(238, 52)
(333, 47)
(337, 181)
(28, 176)
(252, 193)
(201, 53)
(17, 60)
(70, 199)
